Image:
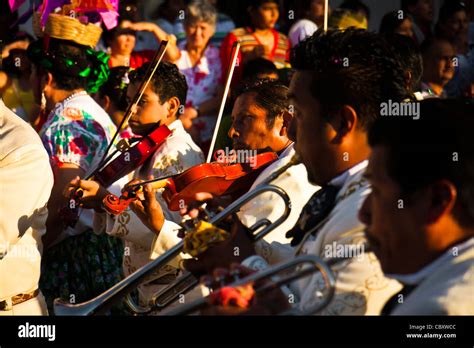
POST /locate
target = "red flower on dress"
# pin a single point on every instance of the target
(73, 114)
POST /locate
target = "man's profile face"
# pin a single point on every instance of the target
(439, 65)
(394, 225)
(249, 129)
(312, 131)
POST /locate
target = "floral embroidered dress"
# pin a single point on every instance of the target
(203, 81)
(77, 131)
(80, 263)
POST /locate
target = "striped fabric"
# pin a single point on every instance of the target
(280, 54)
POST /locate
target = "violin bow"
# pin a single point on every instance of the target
(132, 107)
(233, 63)
(326, 15)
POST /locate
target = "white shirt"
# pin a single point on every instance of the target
(294, 182)
(361, 287)
(177, 154)
(26, 180)
(444, 287)
(301, 30)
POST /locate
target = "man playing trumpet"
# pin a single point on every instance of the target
(340, 82)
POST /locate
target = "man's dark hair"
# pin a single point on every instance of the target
(258, 66)
(257, 3)
(356, 6)
(351, 67)
(410, 57)
(167, 81)
(269, 95)
(428, 44)
(405, 4)
(447, 10)
(437, 146)
(391, 21)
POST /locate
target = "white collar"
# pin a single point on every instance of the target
(341, 179)
(176, 126)
(418, 277)
(289, 151)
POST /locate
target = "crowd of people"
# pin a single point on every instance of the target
(369, 133)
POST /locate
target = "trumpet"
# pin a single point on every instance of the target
(315, 265)
(260, 229)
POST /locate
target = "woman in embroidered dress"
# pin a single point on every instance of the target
(200, 63)
(77, 264)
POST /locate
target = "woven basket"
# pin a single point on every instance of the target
(68, 28)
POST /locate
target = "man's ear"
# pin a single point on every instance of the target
(442, 196)
(287, 120)
(173, 107)
(344, 121)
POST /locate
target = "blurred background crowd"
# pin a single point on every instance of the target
(438, 52)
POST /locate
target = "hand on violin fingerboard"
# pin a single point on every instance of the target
(88, 194)
(147, 208)
(214, 204)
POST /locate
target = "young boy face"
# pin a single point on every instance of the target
(151, 112)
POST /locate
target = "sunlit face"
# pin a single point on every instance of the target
(123, 44)
(438, 64)
(405, 28)
(391, 227)
(249, 130)
(199, 33)
(150, 111)
(266, 16)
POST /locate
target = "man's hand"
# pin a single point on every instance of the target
(213, 203)
(148, 209)
(269, 302)
(93, 193)
(235, 249)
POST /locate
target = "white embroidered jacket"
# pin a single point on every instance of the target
(177, 154)
(361, 287)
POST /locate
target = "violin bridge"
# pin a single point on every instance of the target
(123, 145)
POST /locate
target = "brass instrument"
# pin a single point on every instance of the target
(260, 229)
(315, 265)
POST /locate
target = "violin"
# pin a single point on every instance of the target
(111, 170)
(216, 178)
(133, 157)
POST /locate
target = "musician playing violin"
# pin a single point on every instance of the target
(332, 122)
(161, 105)
(260, 119)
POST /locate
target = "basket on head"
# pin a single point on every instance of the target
(68, 28)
